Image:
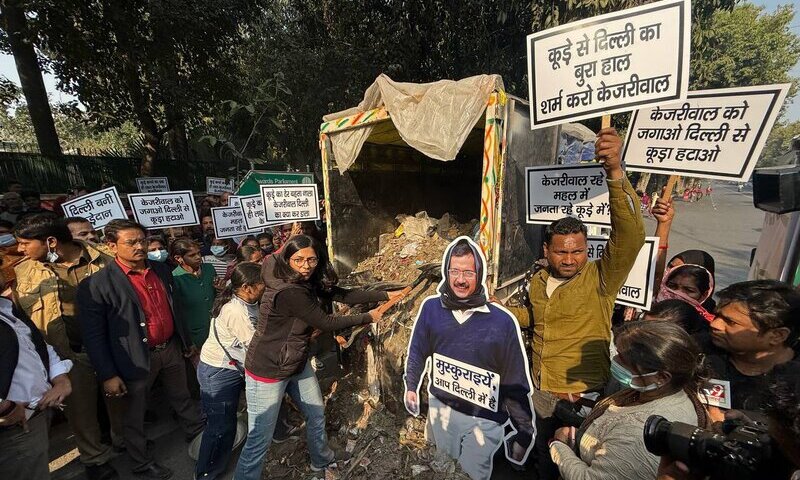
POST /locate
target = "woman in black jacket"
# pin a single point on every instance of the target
(297, 279)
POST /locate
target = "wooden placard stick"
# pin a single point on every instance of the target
(667, 194)
(605, 122)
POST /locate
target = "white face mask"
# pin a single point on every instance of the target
(7, 239)
(52, 256)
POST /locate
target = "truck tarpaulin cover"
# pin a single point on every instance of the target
(434, 118)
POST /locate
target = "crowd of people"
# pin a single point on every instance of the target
(90, 322)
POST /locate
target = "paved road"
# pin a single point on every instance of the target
(727, 226)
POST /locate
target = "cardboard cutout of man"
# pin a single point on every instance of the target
(477, 369)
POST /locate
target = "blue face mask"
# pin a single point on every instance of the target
(625, 377)
(7, 239)
(218, 250)
(157, 255)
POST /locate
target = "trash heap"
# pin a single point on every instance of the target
(383, 439)
(419, 240)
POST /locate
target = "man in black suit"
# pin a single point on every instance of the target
(132, 338)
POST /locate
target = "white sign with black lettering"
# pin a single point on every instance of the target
(218, 186)
(98, 207)
(229, 223)
(637, 291)
(579, 191)
(715, 134)
(253, 212)
(162, 210)
(478, 386)
(606, 64)
(234, 200)
(152, 184)
(290, 203)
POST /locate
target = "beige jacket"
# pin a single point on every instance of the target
(36, 294)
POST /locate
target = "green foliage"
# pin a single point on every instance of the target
(76, 133)
(747, 46)
(247, 131)
(9, 93)
(779, 143)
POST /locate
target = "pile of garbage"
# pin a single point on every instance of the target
(419, 240)
(380, 444)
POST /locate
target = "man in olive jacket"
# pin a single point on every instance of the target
(572, 302)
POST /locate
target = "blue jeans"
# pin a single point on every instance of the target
(219, 394)
(263, 406)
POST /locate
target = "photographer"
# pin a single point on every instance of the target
(657, 365)
(779, 460)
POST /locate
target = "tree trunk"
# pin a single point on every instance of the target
(141, 103)
(643, 181)
(30, 77)
(152, 140)
(178, 143)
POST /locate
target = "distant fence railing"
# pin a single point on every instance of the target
(58, 175)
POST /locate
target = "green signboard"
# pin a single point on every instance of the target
(254, 178)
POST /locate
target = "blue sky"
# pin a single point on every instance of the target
(8, 69)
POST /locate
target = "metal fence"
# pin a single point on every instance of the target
(49, 175)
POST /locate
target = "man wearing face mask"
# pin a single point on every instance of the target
(47, 284)
(479, 381)
(572, 301)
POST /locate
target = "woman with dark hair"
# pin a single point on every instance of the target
(679, 313)
(664, 213)
(657, 363)
(249, 241)
(297, 280)
(221, 368)
(157, 249)
(244, 254)
(692, 284)
(195, 284)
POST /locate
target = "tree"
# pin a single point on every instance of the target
(77, 134)
(161, 64)
(19, 42)
(777, 150)
(747, 46)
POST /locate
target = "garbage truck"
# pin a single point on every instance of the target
(455, 147)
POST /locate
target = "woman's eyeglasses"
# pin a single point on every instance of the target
(299, 262)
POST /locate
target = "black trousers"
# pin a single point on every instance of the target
(169, 365)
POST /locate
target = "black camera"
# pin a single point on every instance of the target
(745, 451)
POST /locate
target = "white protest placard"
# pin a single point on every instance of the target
(478, 386)
(637, 291)
(611, 63)
(229, 223)
(255, 217)
(166, 209)
(152, 184)
(557, 191)
(234, 200)
(218, 186)
(715, 134)
(290, 203)
(98, 207)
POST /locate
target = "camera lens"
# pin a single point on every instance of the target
(656, 430)
(678, 440)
